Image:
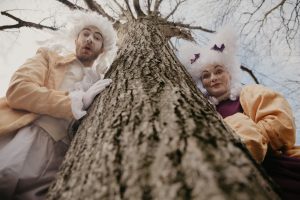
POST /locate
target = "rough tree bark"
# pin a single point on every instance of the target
(152, 135)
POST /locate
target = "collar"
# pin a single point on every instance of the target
(64, 60)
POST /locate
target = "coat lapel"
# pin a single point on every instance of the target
(60, 68)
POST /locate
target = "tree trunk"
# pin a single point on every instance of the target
(152, 135)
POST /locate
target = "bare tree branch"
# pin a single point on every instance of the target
(125, 13)
(249, 71)
(170, 31)
(287, 12)
(119, 5)
(149, 2)
(156, 5)
(175, 8)
(190, 27)
(94, 6)
(274, 8)
(137, 7)
(252, 14)
(128, 8)
(22, 23)
(70, 5)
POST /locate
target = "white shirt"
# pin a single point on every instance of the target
(58, 128)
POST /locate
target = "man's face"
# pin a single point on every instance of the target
(89, 44)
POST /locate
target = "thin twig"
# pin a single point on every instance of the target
(175, 8)
(274, 8)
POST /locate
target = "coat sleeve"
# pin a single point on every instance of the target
(27, 89)
(270, 119)
(250, 135)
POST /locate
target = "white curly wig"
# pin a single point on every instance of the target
(63, 40)
(221, 50)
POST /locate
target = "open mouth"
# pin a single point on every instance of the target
(87, 48)
(215, 85)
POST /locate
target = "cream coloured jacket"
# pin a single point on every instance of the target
(33, 91)
(267, 122)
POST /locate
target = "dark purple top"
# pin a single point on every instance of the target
(229, 107)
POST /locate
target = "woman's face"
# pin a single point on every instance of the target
(216, 80)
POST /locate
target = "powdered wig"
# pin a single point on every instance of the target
(221, 50)
(63, 41)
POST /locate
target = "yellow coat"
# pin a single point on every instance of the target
(267, 122)
(32, 92)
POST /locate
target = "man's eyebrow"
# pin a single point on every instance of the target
(98, 33)
(218, 66)
(88, 29)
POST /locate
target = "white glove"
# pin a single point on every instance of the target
(81, 100)
(95, 89)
